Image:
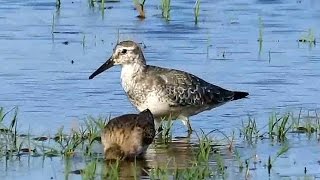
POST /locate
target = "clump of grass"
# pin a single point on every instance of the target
(68, 144)
(165, 136)
(279, 127)
(165, 7)
(309, 124)
(205, 148)
(196, 11)
(220, 163)
(196, 171)
(200, 168)
(94, 128)
(89, 172)
(238, 159)
(250, 130)
(85, 135)
(111, 170)
(9, 133)
(160, 173)
(308, 38)
(139, 4)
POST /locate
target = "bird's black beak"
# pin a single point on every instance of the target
(108, 64)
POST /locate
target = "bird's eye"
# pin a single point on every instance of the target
(124, 51)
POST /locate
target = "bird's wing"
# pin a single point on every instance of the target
(121, 122)
(146, 123)
(184, 89)
(148, 135)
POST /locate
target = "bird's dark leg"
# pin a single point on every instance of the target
(189, 127)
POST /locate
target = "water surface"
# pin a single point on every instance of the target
(39, 44)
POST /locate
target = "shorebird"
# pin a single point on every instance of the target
(128, 136)
(168, 93)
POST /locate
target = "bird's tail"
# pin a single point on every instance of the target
(239, 95)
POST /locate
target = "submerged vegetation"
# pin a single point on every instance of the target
(260, 38)
(207, 154)
(13, 143)
(308, 38)
(279, 126)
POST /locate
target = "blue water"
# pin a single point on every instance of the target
(36, 73)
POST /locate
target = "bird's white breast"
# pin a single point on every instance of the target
(156, 104)
(128, 74)
(145, 95)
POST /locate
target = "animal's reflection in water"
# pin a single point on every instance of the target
(176, 154)
(126, 169)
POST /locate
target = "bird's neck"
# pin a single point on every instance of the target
(130, 73)
(132, 69)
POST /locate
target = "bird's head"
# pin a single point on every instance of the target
(124, 53)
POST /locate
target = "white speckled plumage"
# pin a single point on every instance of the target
(168, 93)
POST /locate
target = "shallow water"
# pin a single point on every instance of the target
(281, 74)
(178, 154)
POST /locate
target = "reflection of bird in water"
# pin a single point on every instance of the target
(128, 136)
(168, 93)
(176, 154)
(127, 169)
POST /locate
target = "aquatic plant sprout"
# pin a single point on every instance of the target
(196, 11)
(165, 7)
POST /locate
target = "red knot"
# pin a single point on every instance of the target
(168, 93)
